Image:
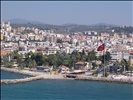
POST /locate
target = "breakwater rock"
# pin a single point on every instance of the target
(19, 71)
(13, 81)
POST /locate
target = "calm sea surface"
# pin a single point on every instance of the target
(9, 75)
(64, 90)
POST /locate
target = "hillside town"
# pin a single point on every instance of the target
(26, 40)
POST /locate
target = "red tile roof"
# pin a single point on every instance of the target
(131, 52)
(4, 52)
(63, 66)
(80, 63)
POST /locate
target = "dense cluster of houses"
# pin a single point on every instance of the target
(25, 39)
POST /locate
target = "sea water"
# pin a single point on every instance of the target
(10, 75)
(66, 90)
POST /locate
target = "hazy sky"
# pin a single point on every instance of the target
(62, 12)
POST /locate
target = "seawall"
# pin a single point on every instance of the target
(104, 79)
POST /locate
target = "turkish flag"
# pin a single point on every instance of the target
(101, 47)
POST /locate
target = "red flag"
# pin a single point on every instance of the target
(101, 47)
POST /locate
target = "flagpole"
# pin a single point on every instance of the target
(104, 62)
(104, 57)
(101, 48)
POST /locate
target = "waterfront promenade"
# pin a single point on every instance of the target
(33, 75)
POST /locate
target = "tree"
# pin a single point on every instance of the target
(45, 60)
(84, 58)
(83, 52)
(131, 68)
(9, 64)
(70, 63)
(106, 74)
(59, 62)
(30, 63)
(99, 58)
(116, 64)
(73, 58)
(6, 62)
(92, 56)
(94, 65)
(39, 59)
(22, 65)
(128, 64)
(34, 63)
(123, 63)
(107, 56)
(77, 56)
(4, 59)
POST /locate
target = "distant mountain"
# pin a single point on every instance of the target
(68, 24)
(103, 24)
(98, 24)
(23, 21)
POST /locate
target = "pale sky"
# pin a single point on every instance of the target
(62, 12)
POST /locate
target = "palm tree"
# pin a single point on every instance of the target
(22, 65)
(131, 68)
(9, 64)
(34, 63)
(128, 64)
(123, 63)
(117, 64)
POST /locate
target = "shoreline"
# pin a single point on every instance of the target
(32, 76)
(103, 79)
(41, 75)
(33, 73)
